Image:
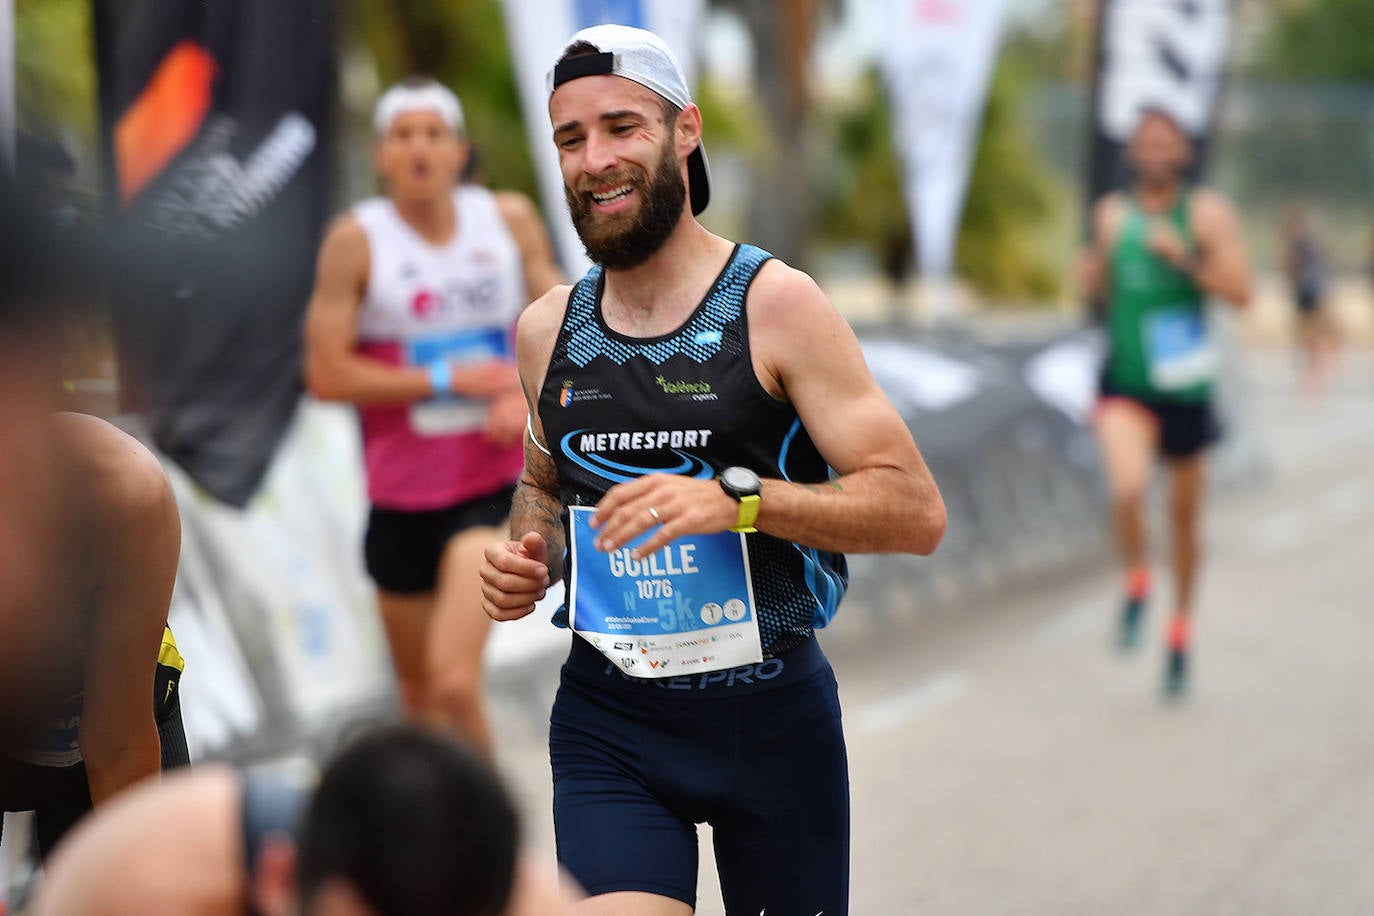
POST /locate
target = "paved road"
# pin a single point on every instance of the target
(1005, 760)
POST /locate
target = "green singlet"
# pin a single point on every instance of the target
(1160, 350)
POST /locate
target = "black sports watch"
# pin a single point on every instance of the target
(743, 486)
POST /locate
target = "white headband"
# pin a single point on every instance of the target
(428, 97)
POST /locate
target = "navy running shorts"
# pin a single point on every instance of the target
(402, 549)
(1186, 428)
(756, 751)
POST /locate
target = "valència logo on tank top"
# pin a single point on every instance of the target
(686, 390)
(638, 452)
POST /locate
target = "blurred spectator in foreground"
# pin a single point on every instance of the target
(1305, 268)
(404, 822)
(1159, 250)
(88, 670)
(32, 505)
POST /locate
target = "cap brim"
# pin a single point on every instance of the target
(698, 179)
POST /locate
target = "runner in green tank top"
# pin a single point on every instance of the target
(1158, 252)
(1156, 313)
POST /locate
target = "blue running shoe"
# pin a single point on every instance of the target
(1132, 615)
(1176, 674)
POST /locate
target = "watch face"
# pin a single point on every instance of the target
(740, 481)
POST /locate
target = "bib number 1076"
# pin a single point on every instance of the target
(654, 588)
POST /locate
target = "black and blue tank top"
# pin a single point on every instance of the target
(615, 408)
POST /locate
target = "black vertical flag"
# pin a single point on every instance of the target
(215, 122)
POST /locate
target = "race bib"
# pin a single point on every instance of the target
(445, 415)
(686, 608)
(1178, 348)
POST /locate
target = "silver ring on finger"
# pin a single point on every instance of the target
(654, 513)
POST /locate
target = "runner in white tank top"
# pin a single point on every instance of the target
(456, 302)
(415, 302)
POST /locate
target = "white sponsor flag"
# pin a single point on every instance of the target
(936, 60)
(538, 30)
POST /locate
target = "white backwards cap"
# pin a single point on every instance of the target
(417, 96)
(641, 56)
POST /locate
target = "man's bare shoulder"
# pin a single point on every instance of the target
(1107, 214)
(1210, 206)
(545, 314)
(1205, 196)
(784, 298)
(346, 234)
(345, 260)
(535, 334)
(1112, 200)
(1109, 206)
(120, 474)
(538, 326)
(515, 207)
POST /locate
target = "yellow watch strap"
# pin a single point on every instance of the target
(748, 514)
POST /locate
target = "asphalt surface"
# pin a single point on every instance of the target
(1005, 758)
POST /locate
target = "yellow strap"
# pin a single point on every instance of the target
(168, 655)
(748, 514)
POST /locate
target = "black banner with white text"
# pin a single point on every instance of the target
(215, 120)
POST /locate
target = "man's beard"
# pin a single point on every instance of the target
(624, 247)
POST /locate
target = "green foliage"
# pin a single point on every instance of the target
(860, 186)
(730, 119)
(1321, 40)
(55, 68)
(1002, 249)
(1011, 200)
(1054, 47)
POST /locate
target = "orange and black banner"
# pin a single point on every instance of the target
(1168, 57)
(216, 130)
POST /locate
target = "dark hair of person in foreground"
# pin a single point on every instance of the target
(415, 824)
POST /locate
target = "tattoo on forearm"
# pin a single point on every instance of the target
(536, 505)
(830, 486)
(533, 509)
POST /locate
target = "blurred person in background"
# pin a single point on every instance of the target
(1159, 250)
(415, 302)
(89, 545)
(1308, 275)
(403, 822)
(690, 396)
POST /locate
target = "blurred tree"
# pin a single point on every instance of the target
(1310, 134)
(783, 33)
(1321, 39)
(1057, 44)
(463, 44)
(55, 72)
(860, 189)
(1011, 201)
(732, 119)
(1011, 197)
